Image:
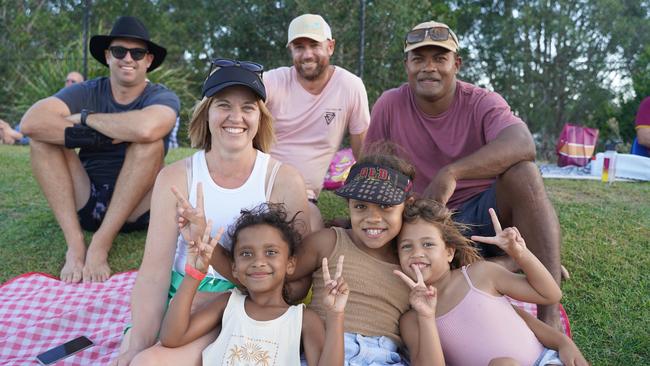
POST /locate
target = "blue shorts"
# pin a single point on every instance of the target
(475, 214)
(363, 350)
(373, 351)
(549, 357)
(92, 214)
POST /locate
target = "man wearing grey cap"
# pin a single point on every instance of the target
(314, 104)
(469, 149)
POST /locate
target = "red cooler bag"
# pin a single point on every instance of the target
(576, 145)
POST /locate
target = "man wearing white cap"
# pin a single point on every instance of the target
(314, 104)
(470, 151)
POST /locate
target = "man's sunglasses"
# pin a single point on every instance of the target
(218, 63)
(435, 33)
(119, 52)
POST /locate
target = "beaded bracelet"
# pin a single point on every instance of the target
(194, 273)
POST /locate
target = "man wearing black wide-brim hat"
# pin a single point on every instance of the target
(120, 124)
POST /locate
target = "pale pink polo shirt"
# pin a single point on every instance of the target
(309, 128)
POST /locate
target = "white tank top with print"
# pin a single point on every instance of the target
(246, 341)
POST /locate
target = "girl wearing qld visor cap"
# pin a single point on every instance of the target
(232, 171)
(376, 190)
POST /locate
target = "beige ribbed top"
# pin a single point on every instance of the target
(377, 296)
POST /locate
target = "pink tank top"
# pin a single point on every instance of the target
(483, 327)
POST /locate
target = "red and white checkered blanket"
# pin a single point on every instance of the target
(532, 309)
(38, 312)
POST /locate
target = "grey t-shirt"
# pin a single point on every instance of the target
(103, 165)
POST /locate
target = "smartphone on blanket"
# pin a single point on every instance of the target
(65, 350)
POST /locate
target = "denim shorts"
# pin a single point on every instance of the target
(475, 214)
(549, 357)
(363, 350)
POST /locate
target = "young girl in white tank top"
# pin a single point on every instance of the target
(258, 326)
(463, 312)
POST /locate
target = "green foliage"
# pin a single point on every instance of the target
(38, 80)
(23, 26)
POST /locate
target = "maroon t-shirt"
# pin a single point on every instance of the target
(476, 117)
(643, 114)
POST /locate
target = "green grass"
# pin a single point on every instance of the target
(606, 232)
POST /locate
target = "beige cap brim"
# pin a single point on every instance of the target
(448, 44)
(315, 37)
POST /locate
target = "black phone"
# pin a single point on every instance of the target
(65, 350)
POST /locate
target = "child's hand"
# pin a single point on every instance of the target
(570, 354)
(422, 298)
(509, 239)
(191, 220)
(199, 253)
(336, 290)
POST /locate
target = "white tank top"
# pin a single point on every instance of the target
(223, 205)
(245, 341)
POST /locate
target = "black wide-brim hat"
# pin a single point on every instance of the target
(370, 182)
(127, 27)
(234, 75)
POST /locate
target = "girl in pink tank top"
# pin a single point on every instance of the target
(461, 311)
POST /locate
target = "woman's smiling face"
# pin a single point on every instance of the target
(234, 117)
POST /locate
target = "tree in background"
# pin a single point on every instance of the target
(555, 61)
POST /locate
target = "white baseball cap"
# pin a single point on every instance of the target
(310, 26)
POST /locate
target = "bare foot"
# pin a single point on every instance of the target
(550, 314)
(73, 267)
(96, 268)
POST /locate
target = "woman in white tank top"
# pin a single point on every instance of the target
(234, 129)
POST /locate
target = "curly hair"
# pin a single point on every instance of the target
(271, 214)
(434, 213)
(274, 215)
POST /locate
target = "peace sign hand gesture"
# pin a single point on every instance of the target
(423, 298)
(199, 253)
(336, 290)
(508, 239)
(191, 220)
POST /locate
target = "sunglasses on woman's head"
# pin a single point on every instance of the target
(119, 52)
(218, 63)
